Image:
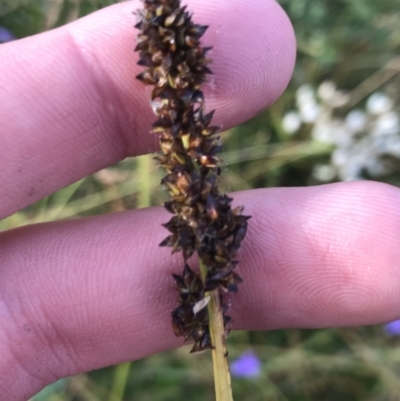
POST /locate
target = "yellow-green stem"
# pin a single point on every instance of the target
(121, 375)
(145, 165)
(222, 376)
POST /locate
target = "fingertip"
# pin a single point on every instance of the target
(254, 52)
(328, 254)
(253, 55)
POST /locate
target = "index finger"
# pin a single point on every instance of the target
(71, 103)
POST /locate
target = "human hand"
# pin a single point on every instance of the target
(79, 295)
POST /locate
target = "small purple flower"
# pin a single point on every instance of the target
(247, 365)
(393, 328)
(5, 35)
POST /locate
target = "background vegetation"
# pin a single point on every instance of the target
(339, 120)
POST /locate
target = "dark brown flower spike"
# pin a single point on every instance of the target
(203, 222)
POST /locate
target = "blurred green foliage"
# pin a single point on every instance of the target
(346, 41)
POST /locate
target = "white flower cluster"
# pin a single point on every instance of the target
(364, 139)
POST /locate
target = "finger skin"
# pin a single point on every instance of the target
(71, 103)
(82, 294)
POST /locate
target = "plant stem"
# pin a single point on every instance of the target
(222, 376)
(121, 374)
(145, 165)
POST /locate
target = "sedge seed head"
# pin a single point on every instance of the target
(169, 46)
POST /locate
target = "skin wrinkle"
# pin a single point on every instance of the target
(71, 140)
(61, 346)
(108, 119)
(25, 375)
(264, 241)
(39, 335)
(50, 150)
(136, 322)
(6, 346)
(18, 358)
(296, 268)
(107, 94)
(34, 328)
